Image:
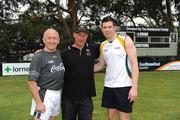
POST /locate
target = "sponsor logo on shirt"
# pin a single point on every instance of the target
(88, 52)
(55, 56)
(50, 61)
(55, 68)
(117, 48)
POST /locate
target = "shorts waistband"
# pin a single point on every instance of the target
(50, 90)
(54, 91)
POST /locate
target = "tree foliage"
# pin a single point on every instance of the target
(23, 22)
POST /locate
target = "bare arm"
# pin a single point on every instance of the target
(99, 66)
(131, 51)
(34, 91)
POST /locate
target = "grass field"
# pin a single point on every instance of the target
(159, 97)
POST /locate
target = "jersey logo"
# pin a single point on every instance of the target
(88, 52)
(50, 61)
(55, 68)
(54, 56)
(117, 48)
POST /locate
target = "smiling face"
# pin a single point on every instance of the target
(80, 39)
(108, 29)
(51, 40)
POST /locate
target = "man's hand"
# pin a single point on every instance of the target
(40, 107)
(132, 94)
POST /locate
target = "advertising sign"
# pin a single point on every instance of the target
(159, 66)
(15, 69)
(149, 66)
(174, 65)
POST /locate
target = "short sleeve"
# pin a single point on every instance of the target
(96, 50)
(35, 67)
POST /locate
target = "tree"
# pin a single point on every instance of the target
(28, 25)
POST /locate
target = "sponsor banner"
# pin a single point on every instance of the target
(159, 65)
(175, 65)
(15, 69)
(149, 66)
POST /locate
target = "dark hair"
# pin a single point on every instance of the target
(109, 18)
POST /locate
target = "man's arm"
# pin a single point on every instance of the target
(131, 51)
(34, 72)
(99, 66)
(34, 91)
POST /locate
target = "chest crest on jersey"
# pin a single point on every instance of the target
(88, 52)
(51, 61)
(117, 48)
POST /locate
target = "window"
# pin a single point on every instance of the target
(173, 37)
(159, 39)
(142, 39)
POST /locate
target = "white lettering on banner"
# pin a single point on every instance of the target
(150, 64)
(143, 68)
(142, 33)
(146, 29)
(15, 69)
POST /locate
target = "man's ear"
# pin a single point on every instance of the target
(43, 41)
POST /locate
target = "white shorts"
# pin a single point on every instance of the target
(52, 105)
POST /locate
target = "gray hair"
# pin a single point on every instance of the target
(48, 30)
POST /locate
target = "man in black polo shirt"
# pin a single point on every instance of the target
(79, 87)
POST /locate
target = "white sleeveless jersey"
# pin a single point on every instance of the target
(118, 72)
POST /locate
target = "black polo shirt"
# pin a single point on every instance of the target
(79, 71)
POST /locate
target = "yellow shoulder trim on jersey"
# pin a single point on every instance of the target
(102, 45)
(121, 41)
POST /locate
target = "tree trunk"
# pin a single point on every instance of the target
(63, 21)
(73, 9)
(169, 14)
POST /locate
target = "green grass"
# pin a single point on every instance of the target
(158, 98)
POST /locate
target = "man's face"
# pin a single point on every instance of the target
(108, 29)
(80, 38)
(51, 40)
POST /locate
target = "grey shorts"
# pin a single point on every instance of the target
(117, 98)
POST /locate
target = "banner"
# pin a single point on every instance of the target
(149, 66)
(175, 65)
(159, 65)
(15, 69)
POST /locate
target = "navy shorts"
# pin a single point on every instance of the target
(117, 98)
(81, 109)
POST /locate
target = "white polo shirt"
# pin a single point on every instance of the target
(118, 73)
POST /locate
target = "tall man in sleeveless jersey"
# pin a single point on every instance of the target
(118, 53)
